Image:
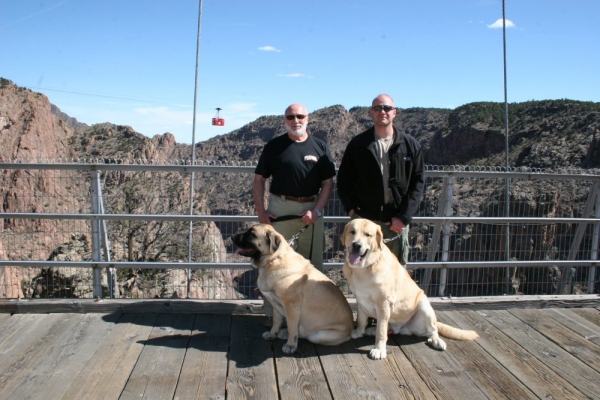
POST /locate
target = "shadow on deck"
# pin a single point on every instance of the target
(214, 350)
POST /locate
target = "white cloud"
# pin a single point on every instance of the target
(498, 24)
(295, 75)
(269, 48)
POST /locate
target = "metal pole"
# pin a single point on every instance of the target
(192, 176)
(111, 273)
(446, 241)
(507, 193)
(567, 270)
(96, 240)
(594, 256)
(435, 238)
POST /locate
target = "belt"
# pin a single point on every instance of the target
(296, 199)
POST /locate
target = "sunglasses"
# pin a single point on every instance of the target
(291, 117)
(384, 108)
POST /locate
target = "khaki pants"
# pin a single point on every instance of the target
(310, 243)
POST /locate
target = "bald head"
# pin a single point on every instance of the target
(383, 99)
(296, 108)
(383, 112)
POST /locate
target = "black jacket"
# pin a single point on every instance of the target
(360, 182)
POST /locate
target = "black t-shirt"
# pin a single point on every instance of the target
(298, 168)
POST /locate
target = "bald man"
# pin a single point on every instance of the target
(381, 176)
(301, 170)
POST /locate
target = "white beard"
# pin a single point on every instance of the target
(298, 133)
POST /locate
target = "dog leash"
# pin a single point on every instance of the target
(394, 238)
(287, 218)
(297, 235)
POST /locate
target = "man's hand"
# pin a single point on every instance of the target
(396, 225)
(309, 217)
(265, 217)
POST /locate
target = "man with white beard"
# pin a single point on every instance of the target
(302, 171)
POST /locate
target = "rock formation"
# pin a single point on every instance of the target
(552, 134)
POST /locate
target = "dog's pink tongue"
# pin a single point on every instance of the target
(354, 258)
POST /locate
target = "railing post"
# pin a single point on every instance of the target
(446, 241)
(507, 238)
(96, 236)
(111, 273)
(594, 255)
(190, 236)
(581, 227)
(435, 238)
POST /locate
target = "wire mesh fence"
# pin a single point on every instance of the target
(544, 240)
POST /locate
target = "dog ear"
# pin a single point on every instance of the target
(343, 236)
(273, 241)
(379, 237)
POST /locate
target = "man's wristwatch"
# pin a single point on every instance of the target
(319, 212)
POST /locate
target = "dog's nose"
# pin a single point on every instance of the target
(356, 246)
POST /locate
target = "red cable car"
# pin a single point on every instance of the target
(217, 120)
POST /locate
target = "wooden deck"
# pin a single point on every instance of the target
(181, 350)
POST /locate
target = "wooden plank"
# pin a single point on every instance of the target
(584, 378)
(160, 306)
(8, 306)
(4, 318)
(22, 359)
(492, 378)
(396, 376)
(58, 372)
(439, 370)
(204, 370)
(156, 372)
(300, 375)
(80, 354)
(408, 376)
(194, 306)
(106, 373)
(339, 364)
(17, 331)
(352, 374)
(346, 374)
(514, 356)
(251, 368)
(562, 336)
(576, 322)
(590, 314)
(19, 344)
(507, 302)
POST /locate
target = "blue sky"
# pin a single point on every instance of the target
(132, 62)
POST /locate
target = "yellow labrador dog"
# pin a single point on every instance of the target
(384, 290)
(314, 307)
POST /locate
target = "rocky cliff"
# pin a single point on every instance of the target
(552, 134)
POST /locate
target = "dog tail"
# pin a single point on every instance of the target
(454, 333)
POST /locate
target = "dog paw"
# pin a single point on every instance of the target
(437, 343)
(355, 334)
(269, 335)
(371, 331)
(283, 334)
(378, 354)
(287, 349)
